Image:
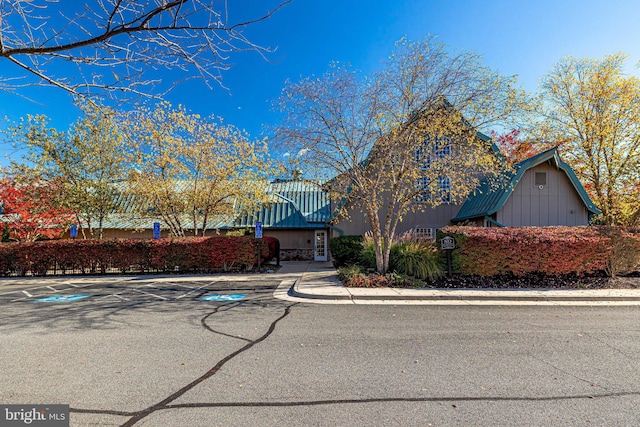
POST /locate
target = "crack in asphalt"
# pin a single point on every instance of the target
(456, 399)
(164, 404)
(203, 322)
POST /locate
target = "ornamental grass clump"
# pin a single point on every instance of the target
(419, 259)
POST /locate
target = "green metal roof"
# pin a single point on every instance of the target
(491, 196)
(295, 204)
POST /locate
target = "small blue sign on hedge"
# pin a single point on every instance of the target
(227, 297)
(156, 230)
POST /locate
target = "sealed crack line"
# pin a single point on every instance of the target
(404, 399)
(203, 322)
(211, 372)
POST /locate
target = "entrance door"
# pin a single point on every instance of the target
(320, 246)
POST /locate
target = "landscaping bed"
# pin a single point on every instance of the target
(533, 281)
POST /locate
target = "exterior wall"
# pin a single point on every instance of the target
(426, 217)
(294, 244)
(557, 203)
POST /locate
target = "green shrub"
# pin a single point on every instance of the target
(418, 259)
(367, 253)
(346, 250)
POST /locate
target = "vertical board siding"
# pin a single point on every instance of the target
(552, 205)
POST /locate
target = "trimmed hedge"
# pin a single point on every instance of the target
(198, 254)
(548, 250)
(346, 250)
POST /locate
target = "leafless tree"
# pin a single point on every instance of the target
(115, 47)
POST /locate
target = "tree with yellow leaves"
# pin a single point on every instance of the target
(194, 172)
(591, 108)
(85, 162)
(391, 143)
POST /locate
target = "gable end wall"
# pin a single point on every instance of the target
(556, 204)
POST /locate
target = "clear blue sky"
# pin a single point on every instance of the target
(515, 37)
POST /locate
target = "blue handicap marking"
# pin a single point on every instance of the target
(63, 298)
(221, 297)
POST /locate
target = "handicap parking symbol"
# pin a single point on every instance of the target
(222, 297)
(62, 298)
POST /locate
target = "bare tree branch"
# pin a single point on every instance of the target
(133, 39)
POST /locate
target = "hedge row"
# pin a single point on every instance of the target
(201, 254)
(548, 250)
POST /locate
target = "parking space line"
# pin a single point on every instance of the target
(113, 295)
(27, 293)
(153, 295)
(192, 291)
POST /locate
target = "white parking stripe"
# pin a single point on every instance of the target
(149, 293)
(192, 291)
(27, 293)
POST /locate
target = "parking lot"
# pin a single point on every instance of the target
(132, 290)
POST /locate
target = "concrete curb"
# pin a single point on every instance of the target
(335, 291)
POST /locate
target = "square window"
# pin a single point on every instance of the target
(424, 195)
(424, 233)
(540, 179)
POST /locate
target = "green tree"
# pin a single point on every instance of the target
(194, 172)
(381, 139)
(590, 107)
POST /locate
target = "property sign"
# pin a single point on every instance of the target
(73, 231)
(156, 230)
(258, 230)
(448, 243)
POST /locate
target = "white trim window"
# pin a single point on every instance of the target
(428, 151)
(424, 233)
(425, 194)
(444, 189)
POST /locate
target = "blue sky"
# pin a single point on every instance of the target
(515, 37)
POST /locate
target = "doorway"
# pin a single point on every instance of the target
(320, 245)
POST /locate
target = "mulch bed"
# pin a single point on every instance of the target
(534, 281)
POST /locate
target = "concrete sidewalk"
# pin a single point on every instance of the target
(318, 282)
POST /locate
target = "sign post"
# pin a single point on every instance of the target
(259, 237)
(448, 244)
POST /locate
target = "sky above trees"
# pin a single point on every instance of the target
(524, 38)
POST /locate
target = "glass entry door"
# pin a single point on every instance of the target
(320, 245)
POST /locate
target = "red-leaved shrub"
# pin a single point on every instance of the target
(199, 254)
(548, 250)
